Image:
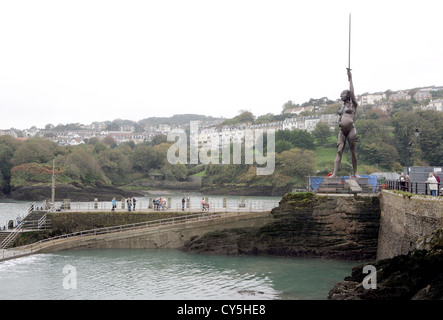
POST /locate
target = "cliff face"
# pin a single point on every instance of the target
(304, 225)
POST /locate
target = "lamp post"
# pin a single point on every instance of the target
(53, 185)
(416, 133)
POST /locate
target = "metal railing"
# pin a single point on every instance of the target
(41, 224)
(366, 188)
(175, 205)
(31, 248)
(15, 232)
(412, 187)
(10, 238)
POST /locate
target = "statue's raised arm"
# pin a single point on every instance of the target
(351, 89)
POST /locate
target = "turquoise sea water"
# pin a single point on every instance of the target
(166, 274)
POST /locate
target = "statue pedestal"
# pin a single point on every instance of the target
(342, 185)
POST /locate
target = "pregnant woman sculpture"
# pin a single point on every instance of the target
(347, 128)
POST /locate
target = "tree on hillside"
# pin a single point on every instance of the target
(298, 138)
(158, 139)
(35, 150)
(266, 118)
(8, 145)
(430, 138)
(82, 166)
(293, 166)
(108, 140)
(427, 145)
(283, 145)
(321, 133)
(116, 164)
(144, 158)
(243, 117)
(303, 139)
(374, 145)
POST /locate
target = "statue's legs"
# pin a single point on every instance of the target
(340, 147)
(352, 136)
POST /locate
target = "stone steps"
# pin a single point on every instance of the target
(31, 221)
(3, 235)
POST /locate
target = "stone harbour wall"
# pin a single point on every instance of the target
(404, 220)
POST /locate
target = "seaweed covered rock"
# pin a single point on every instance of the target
(417, 275)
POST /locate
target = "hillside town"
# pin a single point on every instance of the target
(305, 117)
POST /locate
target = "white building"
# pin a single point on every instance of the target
(330, 119)
(372, 98)
(436, 105)
(230, 134)
(311, 123)
(399, 96)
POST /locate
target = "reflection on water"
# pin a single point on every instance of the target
(167, 274)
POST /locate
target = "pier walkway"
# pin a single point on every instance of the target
(164, 228)
(37, 220)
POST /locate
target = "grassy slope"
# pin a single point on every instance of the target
(328, 152)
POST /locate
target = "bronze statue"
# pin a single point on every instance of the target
(347, 128)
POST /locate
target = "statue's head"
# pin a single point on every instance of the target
(345, 95)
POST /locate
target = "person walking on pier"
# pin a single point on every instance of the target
(129, 203)
(408, 183)
(114, 204)
(133, 203)
(402, 182)
(433, 184)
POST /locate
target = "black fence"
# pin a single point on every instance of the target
(412, 187)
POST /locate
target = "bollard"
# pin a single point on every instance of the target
(242, 202)
(95, 203)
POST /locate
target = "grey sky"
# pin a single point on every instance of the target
(84, 61)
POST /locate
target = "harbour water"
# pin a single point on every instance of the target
(123, 274)
(154, 274)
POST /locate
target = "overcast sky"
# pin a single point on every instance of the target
(84, 61)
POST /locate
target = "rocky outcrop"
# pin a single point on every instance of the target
(417, 275)
(304, 225)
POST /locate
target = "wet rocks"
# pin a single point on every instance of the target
(416, 276)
